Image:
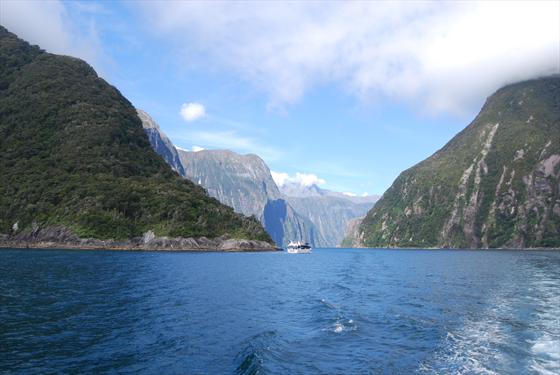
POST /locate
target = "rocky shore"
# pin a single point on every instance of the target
(60, 237)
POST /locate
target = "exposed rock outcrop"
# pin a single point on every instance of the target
(353, 236)
(494, 185)
(60, 237)
(160, 143)
(244, 182)
(328, 211)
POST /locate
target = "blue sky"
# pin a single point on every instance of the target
(347, 94)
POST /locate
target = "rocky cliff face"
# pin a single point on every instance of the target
(244, 182)
(240, 181)
(494, 185)
(160, 143)
(61, 237)
(328, 211)
(352, 234)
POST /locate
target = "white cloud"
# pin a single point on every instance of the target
(441, 56)
(192, 111)
(350, 194)
(280, 178)
(194, 149)
(308, 179)
(303, 179)
(52, 26)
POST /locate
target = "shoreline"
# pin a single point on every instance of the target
(256, 249)
(143, 248)
(60, 237)
(456, 248)
(59, 246)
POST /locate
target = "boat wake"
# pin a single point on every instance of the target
(342, 325)
(545, 349)
(250, 360)
(513, 334)
(337, 322)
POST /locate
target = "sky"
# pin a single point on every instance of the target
(345, 95)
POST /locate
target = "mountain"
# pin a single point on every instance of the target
(244, 182)
(294, 189)
(160, 143)
(359, 199)
(76, 163)
(224, 172)
(328, 211)
(352, 233)
(494, 185)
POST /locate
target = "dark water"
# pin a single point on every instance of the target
(334, 311)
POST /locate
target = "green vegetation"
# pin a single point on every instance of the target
(507, 199)
(73, 152)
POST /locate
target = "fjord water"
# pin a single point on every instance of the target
(335, 311)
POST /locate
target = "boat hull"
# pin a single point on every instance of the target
(298, 251)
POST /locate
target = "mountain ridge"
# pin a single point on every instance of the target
(244, 182)
(74, 154)
(329, 211)
(160, 142)
(494, 185)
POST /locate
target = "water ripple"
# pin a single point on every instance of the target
(336, 311)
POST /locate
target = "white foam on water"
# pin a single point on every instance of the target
(329, 305)
(546, 356)
(342, 325)
(477, 346)
(473, 347)
(545, 348)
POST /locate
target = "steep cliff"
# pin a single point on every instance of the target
(160, 143)
(244, 182)
(494, 185)
(328, 211)
(352, 233)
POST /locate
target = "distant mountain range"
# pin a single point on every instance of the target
(244, 182)
(328, 211)
(494, 185)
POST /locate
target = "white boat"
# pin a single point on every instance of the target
(298, 247)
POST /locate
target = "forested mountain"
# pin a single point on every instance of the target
(73, 154)
(494, 185)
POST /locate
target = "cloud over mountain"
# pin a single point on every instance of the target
(442, 56)
(303, 179)
(55, 26)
